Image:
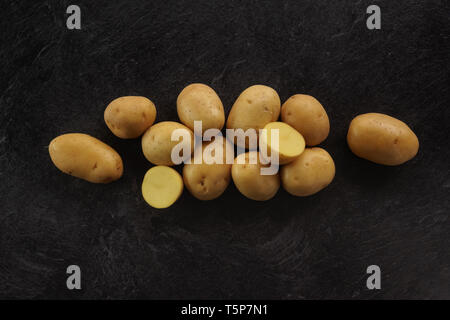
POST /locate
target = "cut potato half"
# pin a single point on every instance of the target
(290, 142)
(162, 186)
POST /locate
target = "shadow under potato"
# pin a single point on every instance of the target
(365, 174)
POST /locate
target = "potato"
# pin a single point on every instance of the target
(208, 181)
(129, 117)
(85, 157)
(312, 171)
(308, 117)
(290, 142)
(249, 181)
(162, 186)
(382, 139)
(157, 145)
(199, 102)
(255, 107)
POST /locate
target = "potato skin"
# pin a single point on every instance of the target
(382, 139)
(208, 181)
(200, 102)
(255, 107)
(129, 117)
(157, 145)
(307, 116)
(85, 157)
(312, 171)
(249, 181)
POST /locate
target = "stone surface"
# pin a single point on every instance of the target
(55, 81)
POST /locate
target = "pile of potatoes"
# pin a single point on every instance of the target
(305, 168)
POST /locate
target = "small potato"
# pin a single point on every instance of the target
(199, 102)
(312, 171)
(129, 117)
(255, 107)
(157, 144)
(308, 117)
(290, 142)
(162, 186)
(382, 139)
(85, 157)
(249, 181)
(208, 180)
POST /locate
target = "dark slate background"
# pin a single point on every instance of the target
(55, 81)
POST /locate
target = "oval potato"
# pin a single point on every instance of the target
(249, 181)
(307, 116)
(85, 157)
(199, 102)
(157, 144)
(129, 117)
(382, 139)
(255, 107)
(312, 171)
(208, 180)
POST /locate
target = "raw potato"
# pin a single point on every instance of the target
(157, 145)
(312, 171)
(129, 117)
(208, 181)
(255, 107)
(199, 102)
(249, 181)
(308, 117)
(290, 142)
(162, 186)
(85, 157)
(382, 139)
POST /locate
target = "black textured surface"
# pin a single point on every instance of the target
(55, 81)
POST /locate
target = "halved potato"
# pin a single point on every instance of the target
(291, 143)
(162, 186)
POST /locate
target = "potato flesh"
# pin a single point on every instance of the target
(290, 145)
(85, 157)
(162, 186)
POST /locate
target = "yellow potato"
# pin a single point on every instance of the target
(249, 181)
(255, 107)
(312, 171)
(208, 181)
(129, 117)
(290, 142)
(85, 157)
(157, 145)
(162, 186)
(307, 116)
(199, 102)
(382, 139)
